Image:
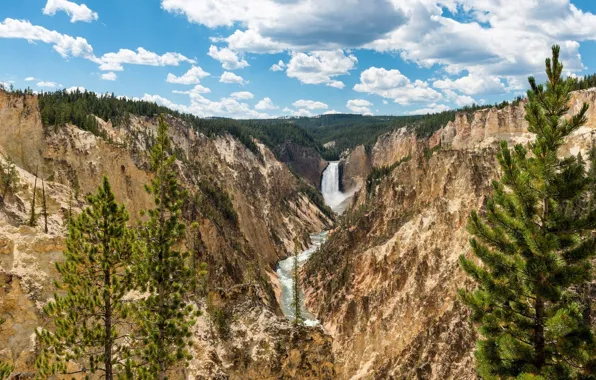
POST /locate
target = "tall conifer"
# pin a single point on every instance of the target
(165, 315)
(91, 318)
(535, 242)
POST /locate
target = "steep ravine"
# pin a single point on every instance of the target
(250, 213)
(384, 285)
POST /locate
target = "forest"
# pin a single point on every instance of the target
(345, 130)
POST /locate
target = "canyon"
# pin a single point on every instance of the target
(382, 288)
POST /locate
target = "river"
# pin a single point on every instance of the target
(337, 201)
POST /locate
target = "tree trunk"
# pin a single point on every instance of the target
(108, 326)
(539, 333)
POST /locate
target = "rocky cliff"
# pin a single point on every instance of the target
(384, 286)
(250, 210)
(304, 161)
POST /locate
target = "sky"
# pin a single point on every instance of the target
(272, 58)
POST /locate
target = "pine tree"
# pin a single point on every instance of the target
(535, 242)
(44, 208)
(166, 315)
(5, 369)
(296, 297)
(90, 318)
(9, 178)
(33, 217)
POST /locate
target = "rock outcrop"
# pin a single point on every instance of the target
(385, 285)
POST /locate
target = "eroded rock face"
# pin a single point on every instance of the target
(355, 166)
(385, 285)
(305, 162)
(273, 218)
(387, 290)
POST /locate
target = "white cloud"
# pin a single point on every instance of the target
(302, 112)
(114, 61)
(68, 46)
(252, 41)
(320, 67)
(76, 11)
(203, 107)
(75, 89)
(279, 66)
(392, 84)
(304, 23)
(310, 104)
(30, 79)
(460, 100)
(45, 84)
(385, 102)
(109, 76)
(266, 104)
(360, 106)
(498, 38)
(432, 108)
(228, 58)
(473, 84)
(198, 89)
(65, 45)
(192, 76)
(228, 77)
(242, 95)
(331, 112)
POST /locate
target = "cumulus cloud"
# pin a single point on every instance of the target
(228, 58)
(192, 76)
(109, 76)
(266, 104)
(302, 112)
(198, 89)
(303, 23)
(242, 95)
(114, 61)
(30, 79)
(320, 67)
(310, 104)
(478, 45)
(45, 84)
(68, 46)
(432, 108)
(75, 11)
(203, 107)
(251, 41)
(360, 106)
(392, 84)
(228, 77)
(65, 45)
(460, 100)
(279, 66)
(472, 84)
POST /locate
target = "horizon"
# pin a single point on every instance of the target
(270, 59)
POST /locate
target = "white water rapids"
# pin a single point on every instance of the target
(337, 201)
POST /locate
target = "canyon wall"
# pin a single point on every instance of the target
(250, 212)
(385, 285)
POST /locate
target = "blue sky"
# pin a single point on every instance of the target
(269, 58)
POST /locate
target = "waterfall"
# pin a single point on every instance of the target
(330, 182)
(334, 198)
